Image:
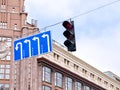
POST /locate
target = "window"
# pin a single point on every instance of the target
(58, 79)
(7, 76)
(7, 57)
(3, 24)
(84, 71)
(86, 88)
(46, 88)
(68, 82)
(56, 56)
(4, 71)
(66, 61)
(105, 82)
(1, 86)
(7, 66)
(46, 74)
(15, 26)
(7, 71)
(75, 67)
(99, 79)
(6, 86)
(1, 76)
(13, 9)
(92, 75)
(3, 8)
(112, 86)
(78, 86)
(3, 5)
(2, 66)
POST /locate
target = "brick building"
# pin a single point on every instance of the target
(12, 25)
(58, 70)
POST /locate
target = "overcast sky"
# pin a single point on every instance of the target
(97, 33)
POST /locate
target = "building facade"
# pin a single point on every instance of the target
(58, 70)
(12, 26)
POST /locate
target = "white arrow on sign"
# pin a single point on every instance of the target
(38, 42)
(16, 48)
(48, 43)
(28, 41)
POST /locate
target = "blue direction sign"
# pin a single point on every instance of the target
(33, 45)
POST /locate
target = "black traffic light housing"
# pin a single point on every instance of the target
(69, 33)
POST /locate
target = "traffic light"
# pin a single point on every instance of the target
(69, 33)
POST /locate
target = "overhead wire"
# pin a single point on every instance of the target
(84, 13)
(90, 11)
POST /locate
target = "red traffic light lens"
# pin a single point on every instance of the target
(67, 25)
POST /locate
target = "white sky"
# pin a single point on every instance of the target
(97, 33)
